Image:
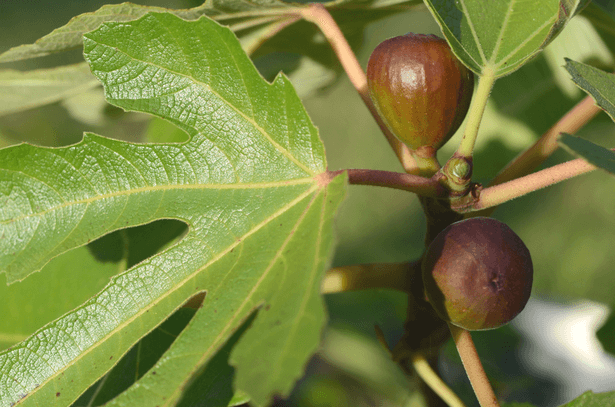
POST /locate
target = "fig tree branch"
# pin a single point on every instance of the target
(396, 180)
(318, 14)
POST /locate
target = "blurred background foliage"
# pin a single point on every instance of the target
(569, 228)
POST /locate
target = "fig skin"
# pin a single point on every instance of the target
(477, 274)
(420, 89)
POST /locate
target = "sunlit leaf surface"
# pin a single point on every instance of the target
(250, 184)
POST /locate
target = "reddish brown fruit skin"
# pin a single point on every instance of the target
(420, 89)
(478, 274)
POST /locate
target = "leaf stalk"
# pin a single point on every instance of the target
(475, 115)
(406, 182)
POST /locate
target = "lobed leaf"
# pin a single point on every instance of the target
(500, 36)
(250, 184)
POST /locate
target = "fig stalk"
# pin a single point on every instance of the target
(474, 367)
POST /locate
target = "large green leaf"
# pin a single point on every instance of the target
(251, 184)
(59, 288)
(498, 37)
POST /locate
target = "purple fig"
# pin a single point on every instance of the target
(477, 274)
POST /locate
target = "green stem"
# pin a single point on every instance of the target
(422, 368)
(475, 115)
(355, 277)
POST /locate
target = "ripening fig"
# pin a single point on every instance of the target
(420, 89)
(477, 274)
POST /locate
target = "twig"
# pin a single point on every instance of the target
(282, 11)
(473, 366)
(318, 14)
(531, 158)
(499, 194)
(535, 155)
(422, 368)
(255, 22)
(396, 180)
(273, 30)
(368, 276)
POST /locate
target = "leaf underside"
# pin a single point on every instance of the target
(250, 184)
(499, 37)
(592, 153)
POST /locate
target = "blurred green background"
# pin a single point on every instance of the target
(569, 228)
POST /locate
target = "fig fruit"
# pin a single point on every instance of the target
(420, 89)
(477, 274)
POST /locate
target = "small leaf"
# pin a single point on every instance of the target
(500, 36)
(593, 153)
(579, 41)
(591, 399)
(599, 84)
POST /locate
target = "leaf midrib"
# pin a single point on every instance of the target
(252, 185)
